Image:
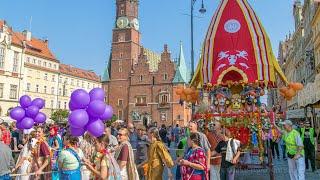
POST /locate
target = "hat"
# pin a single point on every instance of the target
(287, 122)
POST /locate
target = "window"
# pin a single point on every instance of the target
(120, 69)
(44, 89)
(54, 66)
(13, 91)
(82, 84)
(53, 79)
(120, 102)
(15, 61)
(64, 92)
(28, 59)
(165, 76)
(34, 61)
(60, 92)
(28, 86)
(164, 99)
(141, 100)
(65, 105)
(45, 76)
(45, 64)
(1, 90)
(120, 115)
(60, 79)
(141, 78)
(66, 81)
(179, 117)
(1, 57)
(88, 86)
(121, 55)
(163, 116)
(59, 104)
(39, 62)
(50, 65)
(37, 88)
(52, 90)
(51, 104)
(78, 83)
(72, 82)
(121, 12)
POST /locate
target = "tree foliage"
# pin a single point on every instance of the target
(60, 116)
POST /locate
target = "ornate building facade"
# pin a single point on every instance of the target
(27, 66)
(297, 59)
(140, 84)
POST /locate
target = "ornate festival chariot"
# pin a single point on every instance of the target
(236, 68)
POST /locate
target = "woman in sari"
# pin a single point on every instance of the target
(158, 156)
(55, 144)
(194, 165)
(24, 162)
(105, 166)
(125, 157)
(69, 159)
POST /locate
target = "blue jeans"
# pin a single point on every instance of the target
(5, 177)
(227, 173)
(297, 168)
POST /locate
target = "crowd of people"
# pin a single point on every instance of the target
(128, 152)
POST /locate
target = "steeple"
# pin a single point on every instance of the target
(182, 73)
(106, 75)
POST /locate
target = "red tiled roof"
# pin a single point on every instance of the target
(81, 73)
(36, 47)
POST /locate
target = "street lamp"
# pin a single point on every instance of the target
(202, 11)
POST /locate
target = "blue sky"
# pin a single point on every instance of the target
(79, 31)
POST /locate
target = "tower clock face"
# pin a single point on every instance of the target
(122, 22)
(135, 23)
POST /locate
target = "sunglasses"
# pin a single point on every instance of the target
(119, 134)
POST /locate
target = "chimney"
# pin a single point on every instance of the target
(27, 35)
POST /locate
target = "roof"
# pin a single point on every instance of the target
(153, 59)
(182, 71)
(36, 47)
(77, 72)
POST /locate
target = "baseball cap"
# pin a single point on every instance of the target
(287, 122)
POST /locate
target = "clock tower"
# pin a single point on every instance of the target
(124, 54)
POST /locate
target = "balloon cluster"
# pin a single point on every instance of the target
(189, 94)
(290, 91)
(88, 112)
(28, 113)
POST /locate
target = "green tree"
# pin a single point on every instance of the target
(113, 119)
(60, 116)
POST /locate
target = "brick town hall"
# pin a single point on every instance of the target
(140, 85)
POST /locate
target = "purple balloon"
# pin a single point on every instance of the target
(38, 102)
(26, 123)
(78, 118)
(92, 119)
(32, 111)
(17, 113)
(25, 101)
(108, 113)
(96, 108)
(96, 128)
(71, 106)
(97, 94)
(40, 118)
(18, 125)
(77, 131)
(80, 98)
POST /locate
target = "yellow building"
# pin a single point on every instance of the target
(27, 66)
